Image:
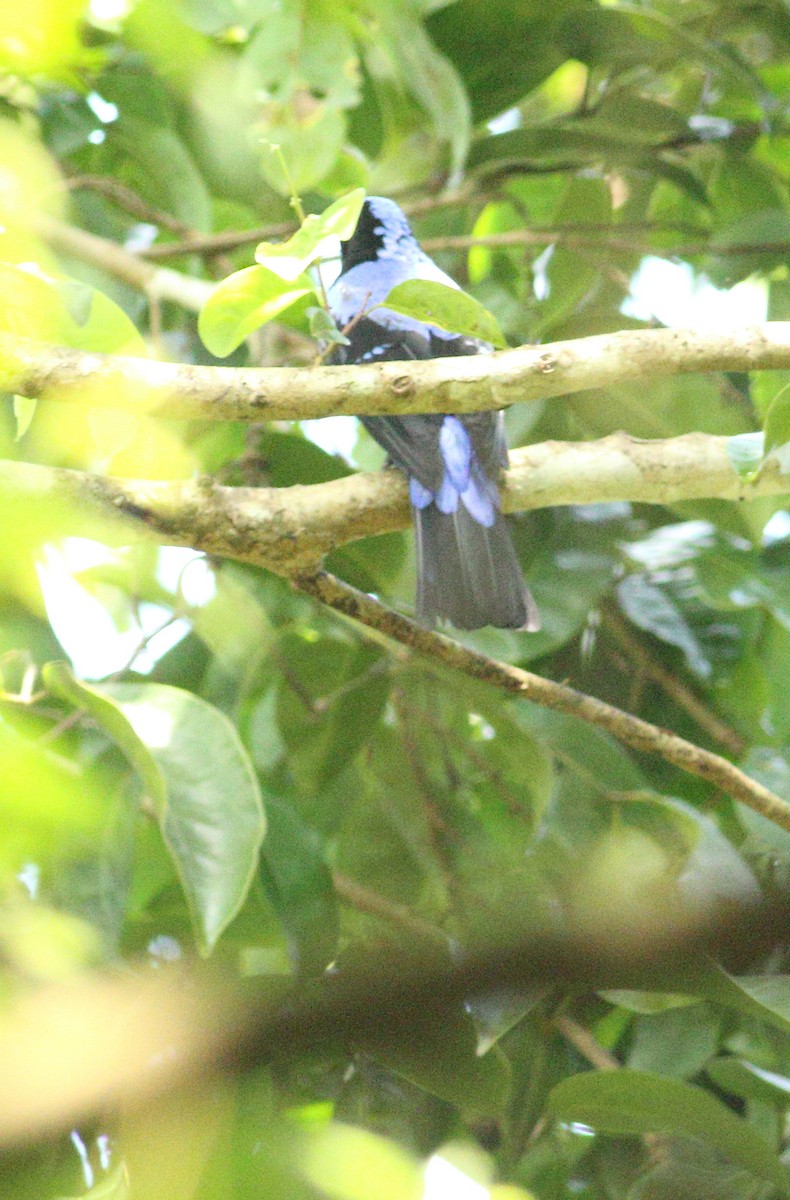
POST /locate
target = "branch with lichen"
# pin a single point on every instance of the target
(464, 384)
(285, 529)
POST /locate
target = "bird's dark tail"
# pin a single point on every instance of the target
(468, 573)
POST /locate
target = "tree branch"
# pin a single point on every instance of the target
(159, 282)
(71, 1050)
(632, 731)
(463, 384)
(629, 730)
(289, 529)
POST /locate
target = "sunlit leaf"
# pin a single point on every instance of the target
(24, 411)
(353, 1164)
(243, 302)
(316, 238)
(446, 307)
(199, 779)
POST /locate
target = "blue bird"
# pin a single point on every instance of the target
(467, 570)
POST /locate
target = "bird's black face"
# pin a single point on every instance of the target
(382, 232)
(365, 242)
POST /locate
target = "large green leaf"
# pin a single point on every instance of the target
(446, 307)
(654, 611)
(299, 884)
(634, 1102)
(428, 75)
(64, 311)
(243, 302)
(199, 779)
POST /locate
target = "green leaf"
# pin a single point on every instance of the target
(447, 307)
(24, 411)
(777, 425)
(165, 171)
(299, 885)
(335, 709)
(751, 1082)
(243, 302)
(678, 1042)
(430, 77)
(635, 1102)
(767, 996)
(745, 452)
(199, 779)
(653, 610)
(316, 238)
(63, 311)
(347, 1163)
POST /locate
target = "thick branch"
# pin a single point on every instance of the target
(465, 384)
(72, 1050)
(286, 529)
(630, 730)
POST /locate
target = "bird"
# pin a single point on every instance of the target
(468, 573)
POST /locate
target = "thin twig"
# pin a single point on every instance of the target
(630, 730)
(130, 201)
(723, 733)
(583, 1041)
(376, 905)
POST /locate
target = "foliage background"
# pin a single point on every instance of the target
(403, 806)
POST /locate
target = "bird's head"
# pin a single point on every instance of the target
(382, 232)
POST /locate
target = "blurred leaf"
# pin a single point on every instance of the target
(569, 277)
(765, 995)
(777, 423)
(242, 303)
(330, 700)
(489, 53)
(114, 1185)
(45, 800)
(746, 1080)
(164, 169)
(445, 307)
(61, 311)
(745, 451)
(354, 1164)
(633, 1102)
(43, 39)
(299, 885)
(24, 411)
(678, 1042)
(198, 777)
(428, 75)
(652, 610)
